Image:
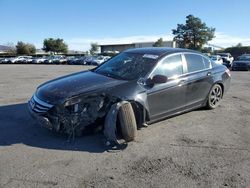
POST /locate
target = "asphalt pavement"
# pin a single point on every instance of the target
(202, 148)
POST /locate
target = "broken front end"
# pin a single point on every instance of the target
(73, 116)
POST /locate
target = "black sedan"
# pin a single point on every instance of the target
(243, 63)
(131, 90)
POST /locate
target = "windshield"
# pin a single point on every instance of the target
(128, 66)
(244, 58)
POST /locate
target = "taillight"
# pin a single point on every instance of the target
(228, 72)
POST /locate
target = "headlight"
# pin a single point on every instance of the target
(72, 101)
(89, 103)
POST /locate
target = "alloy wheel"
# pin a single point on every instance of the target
(215, 95)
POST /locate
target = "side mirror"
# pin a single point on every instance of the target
(157, 79)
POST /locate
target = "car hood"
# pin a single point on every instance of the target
(60, 89)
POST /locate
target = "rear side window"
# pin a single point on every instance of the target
(207, 63)
(170, 67)
(194, 62)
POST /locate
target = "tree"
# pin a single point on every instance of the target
(158, 43)
(94, 48)
(193, 34)
(25, 48)
(238, 50)
(11, 48)
(239, 45)
(55, 45)
(87, 53)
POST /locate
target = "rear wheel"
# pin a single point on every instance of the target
(215, 95)
(127, 122)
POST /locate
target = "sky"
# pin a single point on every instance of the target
(80, 22)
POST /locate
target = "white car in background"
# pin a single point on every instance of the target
(5, 60)
(99, 60)
(21, 59)
(39, 60)
(227, 59)
(217, 59)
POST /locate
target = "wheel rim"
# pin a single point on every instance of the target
(215, 96)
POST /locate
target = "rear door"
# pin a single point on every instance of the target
(199, 78)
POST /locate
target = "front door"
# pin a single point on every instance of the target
(167, 97)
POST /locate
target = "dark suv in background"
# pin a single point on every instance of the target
(242, 63)
(135, 88)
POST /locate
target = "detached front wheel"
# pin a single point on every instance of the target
(215, 95)
(127, 122)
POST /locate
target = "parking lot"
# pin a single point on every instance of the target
(202, 148)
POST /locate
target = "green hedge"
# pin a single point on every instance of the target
(237, 51)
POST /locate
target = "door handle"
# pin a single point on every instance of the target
(181, 82)
(209, 74)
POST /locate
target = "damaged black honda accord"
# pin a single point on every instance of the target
(131, 90)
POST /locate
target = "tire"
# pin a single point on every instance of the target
(127, 122)
(214, 97)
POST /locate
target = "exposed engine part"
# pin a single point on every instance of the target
(83, 114)
(73, 119)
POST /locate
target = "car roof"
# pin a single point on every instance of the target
(160, 51)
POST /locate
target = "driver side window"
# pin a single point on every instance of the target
(170, 67)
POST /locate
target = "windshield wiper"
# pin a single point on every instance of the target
(108, 74)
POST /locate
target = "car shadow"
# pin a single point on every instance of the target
(18, 127)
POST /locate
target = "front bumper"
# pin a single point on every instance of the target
(39, 110)
(42, 120)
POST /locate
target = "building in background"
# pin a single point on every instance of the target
(121, 47)
(212, 47)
